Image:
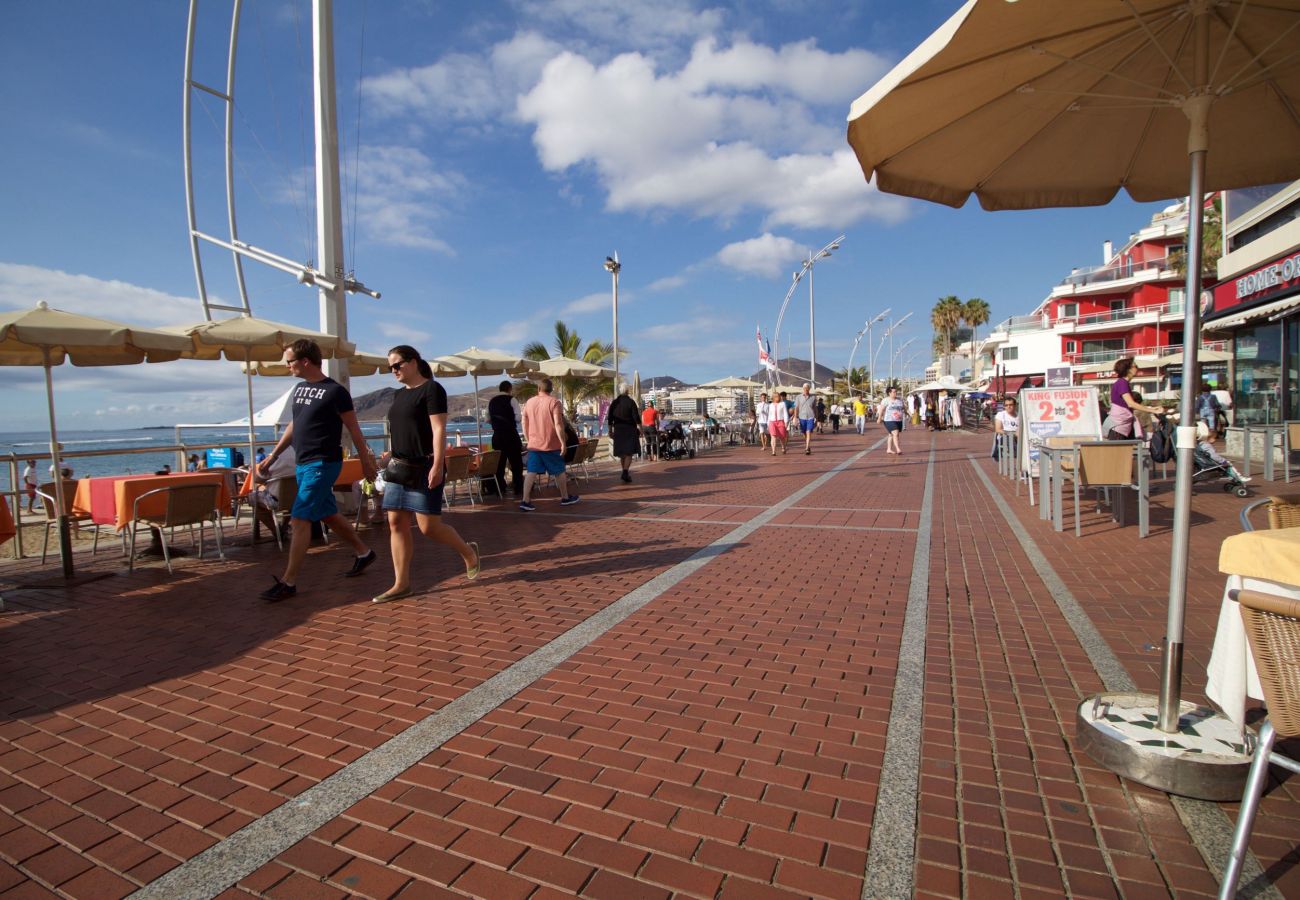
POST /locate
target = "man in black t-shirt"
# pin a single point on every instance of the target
(504, 414)
(321, 407)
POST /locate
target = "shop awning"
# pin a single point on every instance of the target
(1259, 312)
(1010, 384)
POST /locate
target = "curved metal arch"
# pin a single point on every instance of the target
(227, 97)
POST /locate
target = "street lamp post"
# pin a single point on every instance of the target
(897, 353)
(613, 267)
(806, 268)
(889, 333)
(866, 329)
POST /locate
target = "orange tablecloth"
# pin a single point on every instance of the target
(111, 500)
(350, 472)
(7, 530)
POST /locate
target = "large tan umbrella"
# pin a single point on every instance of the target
(474, 362)
(47, 337)
(360, 365)
(1041, 104)
(732, 381)
(567, 367)
(248, 339)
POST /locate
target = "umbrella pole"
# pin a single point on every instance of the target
(478, 417)
(248, 377)
(65, 539)
(1171, 664)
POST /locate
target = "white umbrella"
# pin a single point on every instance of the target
(731, 381)
(360, 365)
(568, 367)
(1040, 104)
(47, 337)
(474, 362)
(247, 339)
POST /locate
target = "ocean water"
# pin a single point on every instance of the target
(136, 454)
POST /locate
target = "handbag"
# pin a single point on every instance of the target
(407, 473)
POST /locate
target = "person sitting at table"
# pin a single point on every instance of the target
(165, 470)
(192, 464)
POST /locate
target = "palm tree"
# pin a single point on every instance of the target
(572, 390)
(976, 313)
(1211, 244)
(945, 317)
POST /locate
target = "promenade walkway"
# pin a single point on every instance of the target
(845, 675)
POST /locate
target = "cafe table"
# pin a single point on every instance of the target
(349, 473)
(1051, 463)
(1270, 431)
(1267, 561)
(110, 500)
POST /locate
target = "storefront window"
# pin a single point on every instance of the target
(1257, 394)
(1292, 386)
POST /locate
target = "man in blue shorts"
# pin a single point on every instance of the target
(805, 410)
(321, 407)
(544, 432)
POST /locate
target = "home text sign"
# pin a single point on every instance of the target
(1056, 412)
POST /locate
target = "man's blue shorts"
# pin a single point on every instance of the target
(545, 462)
(807, 426)
(315, 500)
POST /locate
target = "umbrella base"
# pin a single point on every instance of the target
(1205, 759)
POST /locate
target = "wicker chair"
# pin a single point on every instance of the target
(1105, 464)
(189, 505)
(50, 505)
(1283, 512)
(1273, 630)
(457, 474)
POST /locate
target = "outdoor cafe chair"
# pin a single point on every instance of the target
(485, 469)
(1283, 512)
(187, 505)
(1273, 632)
(1106, 465)
(458, 474)
(1290, 444)
(50, 506)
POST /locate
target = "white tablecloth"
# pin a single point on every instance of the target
(1231, 672)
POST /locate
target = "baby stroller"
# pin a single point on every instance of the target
(1210, 466)
(672, 443)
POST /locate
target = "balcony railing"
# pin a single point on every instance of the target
(1019, 324)
(1104, 356)
(1173, 308)
(1115, 271)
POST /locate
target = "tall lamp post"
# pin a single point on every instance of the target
(889, 333)
(895, 354)
(806, 268)
(866, 329)
(613, 267)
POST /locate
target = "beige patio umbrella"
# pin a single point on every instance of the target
(47, 337)
(248, 339)
(1039, 104)
(731, 381)
(360, 365)
(568, 367)
(474, 362)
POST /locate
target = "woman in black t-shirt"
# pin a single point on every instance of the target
(417, 421)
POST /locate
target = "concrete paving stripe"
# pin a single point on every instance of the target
(842, 527)
(1206, 823)
(891, 857)
(247, 850)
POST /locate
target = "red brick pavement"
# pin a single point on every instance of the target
(724, 741)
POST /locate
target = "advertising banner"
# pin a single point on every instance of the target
(1060, 376)
(1056, 412)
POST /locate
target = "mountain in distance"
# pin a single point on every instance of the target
(373, 407)
(793, 370)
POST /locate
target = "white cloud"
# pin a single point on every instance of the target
(745, 135)
(766, 255)
(21, 286)
(400, 195)
(615, 23)
(401, 332)
(667, 283)
(591, 303)
(463, 87)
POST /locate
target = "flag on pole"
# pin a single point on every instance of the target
(762, 354)
(768, 360)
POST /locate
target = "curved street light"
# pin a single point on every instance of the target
(894, 354)
(866, 329)
(889, 334)
(613, 267)
(805, 268)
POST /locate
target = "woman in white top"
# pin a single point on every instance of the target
(890, 413)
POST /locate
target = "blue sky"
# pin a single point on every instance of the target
(494, 154)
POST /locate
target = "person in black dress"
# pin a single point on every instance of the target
(624, 420)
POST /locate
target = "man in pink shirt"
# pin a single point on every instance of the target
(544, 433)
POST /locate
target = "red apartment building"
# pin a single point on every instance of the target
(1130, 305)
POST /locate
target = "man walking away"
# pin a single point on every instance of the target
(805, 410)
(321, 409)
(503, 412)
(544, 432)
